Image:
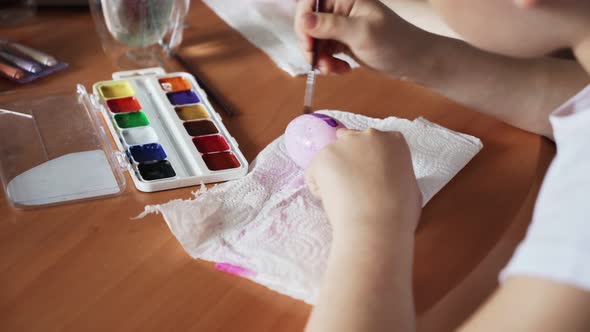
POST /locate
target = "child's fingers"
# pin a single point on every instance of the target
(308, 55)
(525, 3)
(310, 181)
(327, 63)
(303, 6)
(329, 26)
(331, 47)
(344, 132)
(331, 65)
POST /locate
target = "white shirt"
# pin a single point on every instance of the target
(557, 244)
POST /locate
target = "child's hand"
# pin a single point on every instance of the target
(365, 29)
(366, 183)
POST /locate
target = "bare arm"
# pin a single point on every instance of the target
(519, 92)
(532, 304)
(367, 286)
(422, 15)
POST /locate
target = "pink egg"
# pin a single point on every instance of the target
(307, 134)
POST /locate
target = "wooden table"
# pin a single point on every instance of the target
(88, 267)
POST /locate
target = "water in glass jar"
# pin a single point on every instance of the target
(138, 23)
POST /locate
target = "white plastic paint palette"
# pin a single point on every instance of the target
(167, 128)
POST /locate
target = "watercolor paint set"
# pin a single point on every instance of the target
(55, 148)
(170, 133)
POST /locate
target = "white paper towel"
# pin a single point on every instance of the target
(268, 24)
(268, 227)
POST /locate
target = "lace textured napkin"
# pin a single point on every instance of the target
(268, 24)
(268, 227)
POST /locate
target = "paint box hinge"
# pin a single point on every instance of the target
(122, 160)
(95, 103)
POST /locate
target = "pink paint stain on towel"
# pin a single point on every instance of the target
(235, 270)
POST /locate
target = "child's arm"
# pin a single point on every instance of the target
(368, 282)
(367, 285)
(421, 14)
(533, 304)
(519, 92)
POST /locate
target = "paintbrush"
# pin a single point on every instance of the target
(311, 74)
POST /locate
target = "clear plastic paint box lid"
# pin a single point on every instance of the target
(53, 149)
